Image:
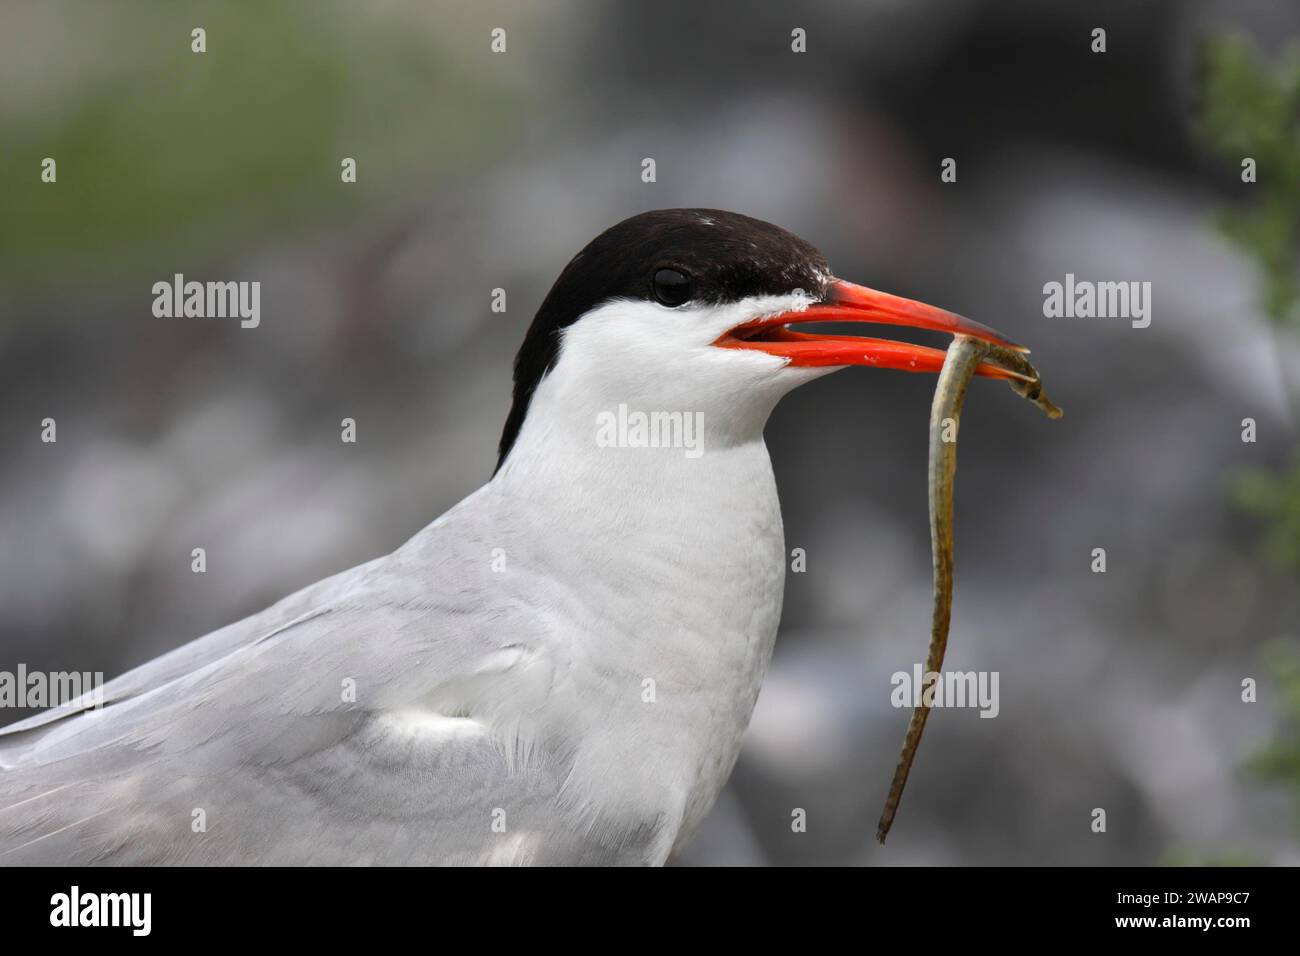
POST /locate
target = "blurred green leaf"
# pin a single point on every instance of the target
(1252, 110)
(1275, 497)
(174, 153)
(1280, 760)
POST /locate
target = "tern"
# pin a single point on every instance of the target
(560, 669)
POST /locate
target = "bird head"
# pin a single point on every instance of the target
(690, 310)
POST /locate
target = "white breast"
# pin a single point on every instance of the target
(663, 610)
(660, 571)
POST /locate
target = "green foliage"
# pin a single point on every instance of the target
(167, 157)
(1280, 760)
(1252, 110)
(1275, 497)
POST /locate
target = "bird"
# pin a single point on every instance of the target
(558, 670)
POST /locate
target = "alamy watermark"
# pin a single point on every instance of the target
(40, 689)
(208, 300)
(657, 429)
(1082, 299)
(946, 689)
(133, 911)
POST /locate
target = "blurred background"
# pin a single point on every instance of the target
(1120, 690)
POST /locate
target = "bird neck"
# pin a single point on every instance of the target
(664, 576)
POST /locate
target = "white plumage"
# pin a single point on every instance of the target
(583, 703)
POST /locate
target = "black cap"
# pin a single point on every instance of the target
(724, 257)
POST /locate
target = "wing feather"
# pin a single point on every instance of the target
(322, 730)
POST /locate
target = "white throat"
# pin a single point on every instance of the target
(668, 567)
(651, 379)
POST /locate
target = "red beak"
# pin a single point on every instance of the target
(847, 302)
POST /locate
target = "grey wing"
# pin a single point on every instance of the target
(192, 656)
(312, 740)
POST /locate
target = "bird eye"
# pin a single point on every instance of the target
(671, 287)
